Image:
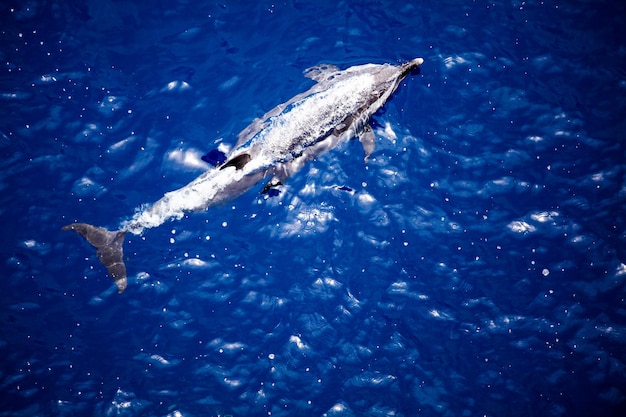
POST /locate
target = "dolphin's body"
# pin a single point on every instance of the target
(334, 110)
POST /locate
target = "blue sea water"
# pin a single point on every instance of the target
(474, 266)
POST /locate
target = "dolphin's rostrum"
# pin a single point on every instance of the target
(337, 108)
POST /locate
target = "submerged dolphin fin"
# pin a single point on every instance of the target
(214, 157)
(320, 72)
(109, 249)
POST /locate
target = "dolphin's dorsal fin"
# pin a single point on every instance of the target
(238, 162)
(320, 72)
(109, 249)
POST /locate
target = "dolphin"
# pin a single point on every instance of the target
(336, 109)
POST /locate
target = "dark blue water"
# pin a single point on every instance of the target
(475, 266)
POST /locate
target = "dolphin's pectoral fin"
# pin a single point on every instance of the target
(238, 162)
(283, 171)
(109, 249)
(271, 187)
(368, 140)
(320, 72)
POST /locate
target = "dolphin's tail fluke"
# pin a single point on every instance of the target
(109, 249)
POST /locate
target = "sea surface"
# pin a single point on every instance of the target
(474, 266)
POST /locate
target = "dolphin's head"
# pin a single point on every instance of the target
(412, 67)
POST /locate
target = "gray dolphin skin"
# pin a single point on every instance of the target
(336, 109)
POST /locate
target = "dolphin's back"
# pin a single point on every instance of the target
(340, 103)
